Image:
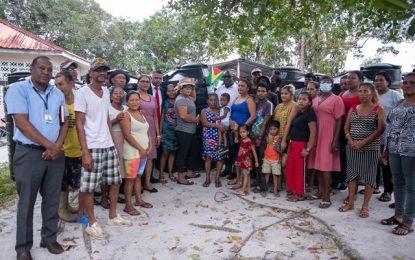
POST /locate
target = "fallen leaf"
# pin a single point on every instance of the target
(208, 240)
(154, 236)
(197, 248)
(194, 256)
(177, 238)
(161, 215)
(226, 222)
(261, 236)
(220, 250)
(214, 209)
(234, 248)
(232, 238)
(204, 205)
(185, 212)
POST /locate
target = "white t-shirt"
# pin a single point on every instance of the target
(113, 113)
(96, 111)
(232, 91)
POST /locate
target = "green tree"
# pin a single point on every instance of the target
(317, 35)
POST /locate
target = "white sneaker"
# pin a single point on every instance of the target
(119, 221)
(96, 232)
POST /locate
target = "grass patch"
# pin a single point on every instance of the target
(7, 185)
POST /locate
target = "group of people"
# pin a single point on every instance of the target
(101, 137)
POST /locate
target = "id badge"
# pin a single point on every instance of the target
(48, 118)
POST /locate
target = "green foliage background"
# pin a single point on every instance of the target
(274, 32)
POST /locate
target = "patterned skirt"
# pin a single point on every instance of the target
(362, 166)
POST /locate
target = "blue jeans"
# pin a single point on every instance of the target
(403, 172)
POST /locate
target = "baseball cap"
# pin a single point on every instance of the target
(67, 63)
(98, 63)
(256, 70)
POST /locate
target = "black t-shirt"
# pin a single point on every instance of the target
(299, 129)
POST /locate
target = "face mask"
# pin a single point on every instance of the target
(325, 87)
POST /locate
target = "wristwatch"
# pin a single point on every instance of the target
(308, 149)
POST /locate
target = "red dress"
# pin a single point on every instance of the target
(244, 160)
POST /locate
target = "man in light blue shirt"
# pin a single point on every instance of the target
(38, 162)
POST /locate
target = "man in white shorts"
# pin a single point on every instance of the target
(100, 163)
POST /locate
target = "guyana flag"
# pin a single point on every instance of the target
(214, 77)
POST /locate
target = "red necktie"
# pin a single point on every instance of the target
(157, 102)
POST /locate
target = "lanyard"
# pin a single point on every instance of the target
(45, 102)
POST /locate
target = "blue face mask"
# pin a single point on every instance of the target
(325, 87)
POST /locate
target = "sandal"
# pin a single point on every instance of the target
(242, 193)
(197, 175)
(293, 198)
(187, 182)
(236, 186)
(218, 184)
(364, 212)
(315, 196)
(385, 197)
(162, 180)
(132, 212)
(172, 177)
(402, 230)
(206, 184)
(143, 205)
(324, 204)
(232, 182)
(300, 198)
(346, 207)
(390, 221)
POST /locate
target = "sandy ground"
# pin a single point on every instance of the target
(166, 232)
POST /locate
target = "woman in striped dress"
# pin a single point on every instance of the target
(364, 125)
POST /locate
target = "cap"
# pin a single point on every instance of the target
(98, 63)
(67, 63)
(114, 73)
(256, 70)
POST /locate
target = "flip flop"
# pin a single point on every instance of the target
(390, 221)
(185, 183)
(206, 184)
(144, 205)
(172, 177)
(197, 175)
(132, 212)
(404, 230)
(324, 204)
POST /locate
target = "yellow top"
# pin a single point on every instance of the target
(71, 146)
(281, 114)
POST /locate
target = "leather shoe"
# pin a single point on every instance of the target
(53, 247)
(24, 256)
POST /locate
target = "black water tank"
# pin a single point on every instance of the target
(11, 78)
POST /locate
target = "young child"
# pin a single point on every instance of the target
(223, 119)
(211, 134)
(244, 159)
(168, 133)
(271, 163)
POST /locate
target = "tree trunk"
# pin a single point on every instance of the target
(301, 61)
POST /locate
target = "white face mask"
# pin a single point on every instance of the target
(325, 87)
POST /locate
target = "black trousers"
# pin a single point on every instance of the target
(186, 155)
(340, 177)
(233, 152)
(33, 175)
(385, 172)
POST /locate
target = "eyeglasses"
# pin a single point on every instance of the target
(144, 81)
